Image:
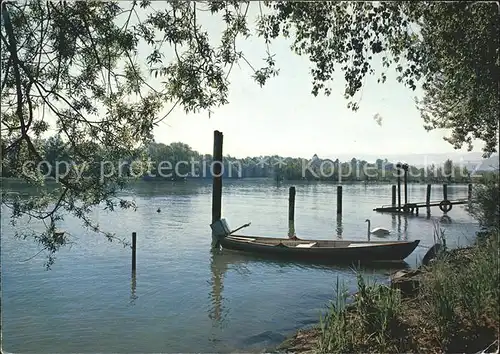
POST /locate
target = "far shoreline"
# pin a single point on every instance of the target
(476, 180)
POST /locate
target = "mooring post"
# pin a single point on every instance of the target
(398, 167)
(291, 204)
(445, 191)
(134, 249)
(428, 198)
(405, 168)
(217, 178)
(393, 195)
(339, 199)
(469, 192)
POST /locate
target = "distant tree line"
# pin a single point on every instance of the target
(178, 161)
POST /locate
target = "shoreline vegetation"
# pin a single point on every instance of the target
(178, 161)
(448, 304)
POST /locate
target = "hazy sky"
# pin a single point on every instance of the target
(284, 118)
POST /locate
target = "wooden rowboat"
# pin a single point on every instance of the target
(336, 251)
(322, 250)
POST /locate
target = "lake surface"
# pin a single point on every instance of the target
(185, 298)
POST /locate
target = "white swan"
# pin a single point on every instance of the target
(378, 231)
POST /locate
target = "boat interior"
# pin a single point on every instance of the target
(285, 242)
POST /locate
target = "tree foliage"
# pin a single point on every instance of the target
(486, 204)
(73, 68)
(450, 49)
(84, 70)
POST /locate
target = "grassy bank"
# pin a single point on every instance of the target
(453, 306)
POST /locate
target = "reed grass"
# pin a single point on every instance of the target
(456, 309)
(335, 323)
(368, 322)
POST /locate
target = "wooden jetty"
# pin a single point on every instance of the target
(410, 208)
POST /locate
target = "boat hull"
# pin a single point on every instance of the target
(323, 250)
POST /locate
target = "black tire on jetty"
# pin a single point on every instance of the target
(445, 206)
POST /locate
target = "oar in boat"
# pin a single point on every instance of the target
(219, 230)
(246, 225)
(239, 228)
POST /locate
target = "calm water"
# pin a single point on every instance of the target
(184, 298)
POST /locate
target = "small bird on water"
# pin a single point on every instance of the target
(158, 210)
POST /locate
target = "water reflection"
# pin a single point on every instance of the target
(222, 261)
(445, 219)
(291, 229)
(217, 312)
(339, 227)
(133, 287)
(402, 232)
(405, 227)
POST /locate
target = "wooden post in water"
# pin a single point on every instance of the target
(134, 249)
(339, 199)
(398, 167)
(445, 191)
(405, 168)
(428, 198)
(291, 204)
(217, 177)
(469, 192)
(393, 195)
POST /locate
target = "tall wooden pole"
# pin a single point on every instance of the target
(405, 169)
(398, 166)
(428, 198)
(217, 178)
(291, 204)
(134, 250)
(339, 199)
